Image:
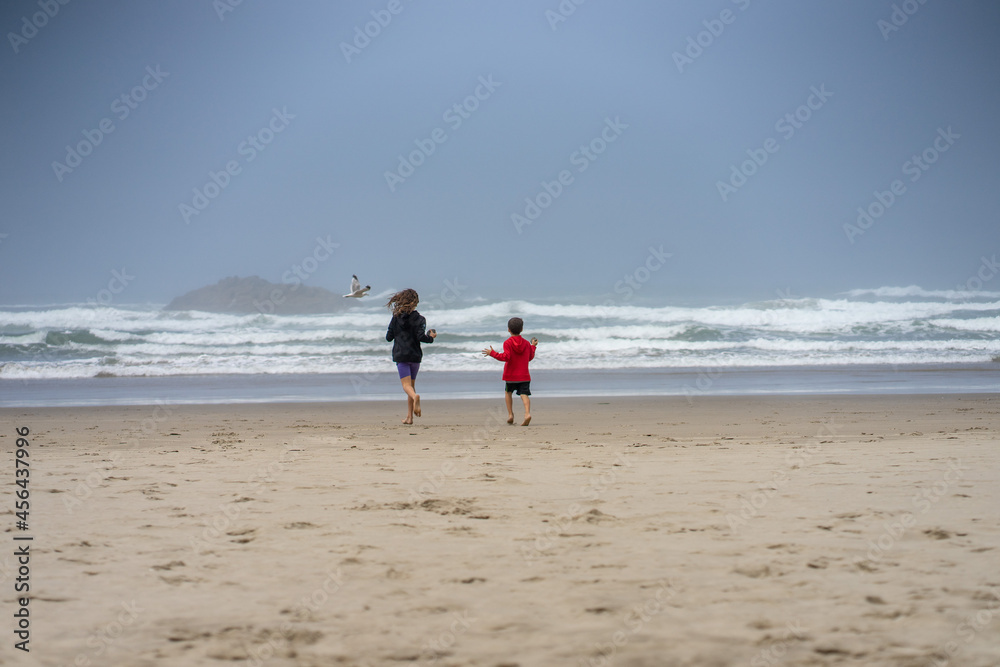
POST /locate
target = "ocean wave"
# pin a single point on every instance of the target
(914, 291)
(886, 326)
(986, 325)
(24, 339)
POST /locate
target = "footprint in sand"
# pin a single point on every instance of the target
(243, 536)
(236, 643)
(449, 505)
(169, 566)
(599, 610)
(180, 579)
(937, 533)
(753, 571)
(597, 516)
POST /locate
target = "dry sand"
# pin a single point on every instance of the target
(649, 531)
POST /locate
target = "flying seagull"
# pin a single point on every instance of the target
(356, 290)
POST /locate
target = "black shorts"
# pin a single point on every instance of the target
(522, 388)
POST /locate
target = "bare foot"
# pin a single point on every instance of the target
(405, 421)
(527, 420)
(416, 405)
(510, 419)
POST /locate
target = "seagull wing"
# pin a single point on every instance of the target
(355, 285)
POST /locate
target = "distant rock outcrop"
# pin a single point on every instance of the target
(256, 295)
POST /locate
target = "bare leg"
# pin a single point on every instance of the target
(412, 399)
(509, 400)
(527, 409)
(416, 399)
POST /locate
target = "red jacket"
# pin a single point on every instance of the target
(517, 352)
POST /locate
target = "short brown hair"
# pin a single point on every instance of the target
(515, 325)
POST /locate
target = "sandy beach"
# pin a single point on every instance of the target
(819, 530)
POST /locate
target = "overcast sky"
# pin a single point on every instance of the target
(257, 137)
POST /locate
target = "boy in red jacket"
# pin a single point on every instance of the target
(516, 355)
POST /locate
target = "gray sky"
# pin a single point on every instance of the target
(643, 108)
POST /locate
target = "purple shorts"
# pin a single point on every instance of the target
(407, 369)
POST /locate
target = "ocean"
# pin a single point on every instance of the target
(871, 330)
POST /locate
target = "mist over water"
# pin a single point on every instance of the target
(886, 326)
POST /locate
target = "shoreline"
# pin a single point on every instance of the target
(690, 383)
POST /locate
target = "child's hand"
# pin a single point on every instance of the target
(534, 341)
(486, 351)
(432, 333)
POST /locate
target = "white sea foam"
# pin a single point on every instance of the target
(914, 291)
(882, 326)
(989, 325)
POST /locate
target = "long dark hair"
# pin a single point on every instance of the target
(403, 302)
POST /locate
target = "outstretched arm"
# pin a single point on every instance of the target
(422, 335)
(499, 356)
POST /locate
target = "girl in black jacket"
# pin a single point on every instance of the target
(406, 332)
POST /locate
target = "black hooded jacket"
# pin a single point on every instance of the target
(406, 332)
